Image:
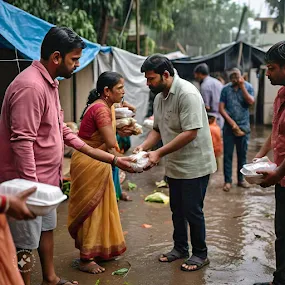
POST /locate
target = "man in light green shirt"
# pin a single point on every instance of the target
(181, 121)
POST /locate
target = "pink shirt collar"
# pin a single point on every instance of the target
(37, 64)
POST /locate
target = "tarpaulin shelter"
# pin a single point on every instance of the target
(21, 35)
(24, 32)
(238, 54)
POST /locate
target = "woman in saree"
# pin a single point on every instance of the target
(93, 216)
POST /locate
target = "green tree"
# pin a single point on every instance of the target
(204, 23)
(102, 13)
(157, 14)
(59, 13)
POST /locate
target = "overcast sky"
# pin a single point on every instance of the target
(259, 7)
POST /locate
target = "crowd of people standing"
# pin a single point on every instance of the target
(190, 126)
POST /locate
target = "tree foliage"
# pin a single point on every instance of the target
(59, 13)
(203, 23)
(102, 13)
(157, 14)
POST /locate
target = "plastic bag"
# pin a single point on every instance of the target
(157, 197)
(141, 161)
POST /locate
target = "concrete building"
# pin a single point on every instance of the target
(270, 32)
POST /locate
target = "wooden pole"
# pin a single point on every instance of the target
(241, 22)
(138, 26)
(240, 55)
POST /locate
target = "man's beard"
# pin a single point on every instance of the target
(64, 72)
(67, 75)
(157, 89)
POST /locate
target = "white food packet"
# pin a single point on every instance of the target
(141, 161)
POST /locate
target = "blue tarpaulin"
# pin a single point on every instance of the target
(25, 32)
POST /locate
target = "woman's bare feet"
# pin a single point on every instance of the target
(227, 187)
(125, 197)
(90, 267)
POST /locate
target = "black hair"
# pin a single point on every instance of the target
(202, 68)
(60, 39)
(158, 63)
(106, 79)
(276, 54)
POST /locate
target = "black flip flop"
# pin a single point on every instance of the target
(197, 261)
(174, 255)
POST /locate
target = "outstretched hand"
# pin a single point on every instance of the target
(270, 178)
(138, 149)
(154, 159)
(18, 208)
(124, 163)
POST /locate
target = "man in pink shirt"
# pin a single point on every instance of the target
(275, 59)
(33, 136)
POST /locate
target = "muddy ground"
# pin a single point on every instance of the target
(240, 236)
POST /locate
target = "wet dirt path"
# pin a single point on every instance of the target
(240, 236)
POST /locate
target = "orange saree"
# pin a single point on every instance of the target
(9, 273)
(93, 216)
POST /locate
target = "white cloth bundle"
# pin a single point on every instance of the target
(137, 129)
(141, 161)
(148, 123)
(120, 123)
(123, 112)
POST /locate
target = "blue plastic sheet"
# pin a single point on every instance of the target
(25, 32)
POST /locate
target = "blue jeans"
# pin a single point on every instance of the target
(241, 143)
(186, 203)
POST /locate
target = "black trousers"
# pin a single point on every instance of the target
(186, 203)
(279, 274)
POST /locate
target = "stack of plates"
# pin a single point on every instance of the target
(43, 201)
